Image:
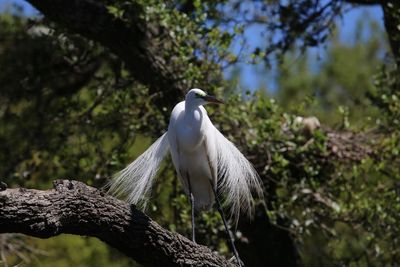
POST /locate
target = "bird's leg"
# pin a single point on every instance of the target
(228, 232)
(191, 198)
(193, 226)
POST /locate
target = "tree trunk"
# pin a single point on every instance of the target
(391, 10)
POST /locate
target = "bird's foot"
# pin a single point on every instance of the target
(3, 186)
(234, 260)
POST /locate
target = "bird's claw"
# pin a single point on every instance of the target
(3, 186)
(234, 260)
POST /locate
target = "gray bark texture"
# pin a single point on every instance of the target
(72, 207)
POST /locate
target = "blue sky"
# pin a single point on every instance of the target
(28, 9)
(255, 76)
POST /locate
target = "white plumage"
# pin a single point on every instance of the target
(201, 155)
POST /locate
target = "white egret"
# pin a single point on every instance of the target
(204, 160)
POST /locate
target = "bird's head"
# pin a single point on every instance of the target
(198, 97)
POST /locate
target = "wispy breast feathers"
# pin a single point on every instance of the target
(239, 178)
(135, 181)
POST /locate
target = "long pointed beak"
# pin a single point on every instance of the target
(213, 99)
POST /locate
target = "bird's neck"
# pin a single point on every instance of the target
(192, 113)
(190, 107)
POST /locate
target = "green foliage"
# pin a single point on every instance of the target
(72, 118)
(67, 250)
(342, 82)
(339, 213)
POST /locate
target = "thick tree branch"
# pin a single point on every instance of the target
(349, 147)
(135, 42)
(75, 208)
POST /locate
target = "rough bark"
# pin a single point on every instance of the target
(75, 208)
(391, 11)
(135, 42)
